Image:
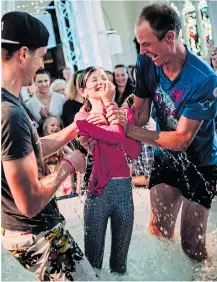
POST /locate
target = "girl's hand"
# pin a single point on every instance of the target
(109, 92)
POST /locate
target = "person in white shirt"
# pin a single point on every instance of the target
(58, 86)
(45, 102)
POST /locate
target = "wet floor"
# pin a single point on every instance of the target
(149, 258)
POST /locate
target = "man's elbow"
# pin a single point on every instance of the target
(28, 210)
(184, 143)
(141, 119)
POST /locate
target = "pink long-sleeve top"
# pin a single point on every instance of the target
(110, 151)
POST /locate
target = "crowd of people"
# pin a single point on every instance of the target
(55, 105)
(152, 124)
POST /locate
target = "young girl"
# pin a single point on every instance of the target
(109, 188)
(52, 124)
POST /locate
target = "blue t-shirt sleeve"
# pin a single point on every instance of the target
(203, 103)
(143, 69)
(16, 134)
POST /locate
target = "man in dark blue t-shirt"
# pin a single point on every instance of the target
(183, 91)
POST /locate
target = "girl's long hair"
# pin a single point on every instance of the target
(82, 80)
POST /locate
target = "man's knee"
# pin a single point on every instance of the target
(196, 251)
(158, 229)
(193, 230)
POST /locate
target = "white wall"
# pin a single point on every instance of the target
(116, 17)
(121, 16)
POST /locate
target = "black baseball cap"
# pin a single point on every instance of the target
(23, 29)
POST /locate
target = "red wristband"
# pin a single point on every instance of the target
(70, 163)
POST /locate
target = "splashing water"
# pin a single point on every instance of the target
(149, 258)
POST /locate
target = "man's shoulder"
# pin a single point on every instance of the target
(10, 110)
(12, 116)
(144, 61)
(199, 67)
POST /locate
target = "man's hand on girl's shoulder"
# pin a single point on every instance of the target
(116, 115)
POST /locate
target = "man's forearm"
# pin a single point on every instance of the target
(47, 187)
(164, 139)
(141, 109)
(52, 143)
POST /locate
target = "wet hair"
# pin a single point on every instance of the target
(82, 80)
(43, 71)
(162, 18)
(83, 77)
(46, 121)
(8, 50)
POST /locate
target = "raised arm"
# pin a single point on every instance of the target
(178, 140)
(52, 143)
(202, 105)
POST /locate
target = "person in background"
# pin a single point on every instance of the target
(213, 60)
(67, 73)
(32, 228)
(130, 70)
(45, 102)
(124, 86)
(110, 76)
(50, 125)
(213, 63)
(27, 92)
(58, 86)
(74, 100)
(109, 188)
(73, 105)
(141, 167)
